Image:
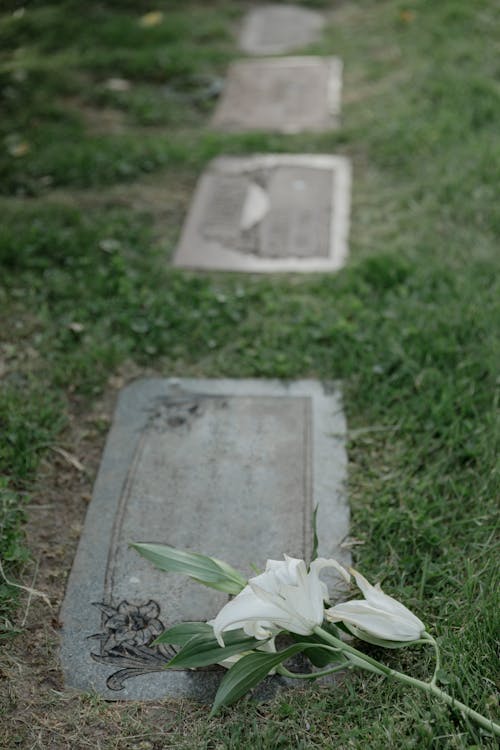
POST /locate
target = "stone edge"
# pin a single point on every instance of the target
(215, 258)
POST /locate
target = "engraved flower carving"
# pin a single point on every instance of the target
(130, 625)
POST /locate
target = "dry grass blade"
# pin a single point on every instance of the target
(69, 457)
(30, 591)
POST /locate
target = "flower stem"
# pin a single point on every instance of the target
(431, 640)
(313, 675)
(428, 687)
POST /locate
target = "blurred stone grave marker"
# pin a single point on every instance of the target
(276, 29)
(229, 468)
(281, 94)
(269, 213)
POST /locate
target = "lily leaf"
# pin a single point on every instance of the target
(314, 553)
(249, 671)
(179, 635)
(206, 570)
(201, 651)
(317, 656)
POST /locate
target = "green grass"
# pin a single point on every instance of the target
(29, 420)
(411, 326)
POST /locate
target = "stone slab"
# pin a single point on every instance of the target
(230, 468)
(277, 29)
(270, 213)
(284, 95)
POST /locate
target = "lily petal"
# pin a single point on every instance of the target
(377, 614)
(377, 598)
(287, 605)
(385, 625)
(249, 612)
(323, 562)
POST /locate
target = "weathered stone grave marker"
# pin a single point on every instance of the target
(230, 468)
(276, 29)
(284, 95)
(269, 213)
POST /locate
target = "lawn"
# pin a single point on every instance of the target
(103, 135)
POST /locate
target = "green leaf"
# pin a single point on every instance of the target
(206, 570)
(201, 651)
(443, 678)
(248, 672)
(179, 635)
(318, 657)
(314, 553)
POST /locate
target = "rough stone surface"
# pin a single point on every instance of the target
(230, 468)
(276, 29)
(284, 95)
(270, 214)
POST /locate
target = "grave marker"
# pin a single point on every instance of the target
(276, 29)
(269, 213)
(229, 468)
(284, 95)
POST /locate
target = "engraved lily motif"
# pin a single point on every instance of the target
(130, 625)
(127, 641)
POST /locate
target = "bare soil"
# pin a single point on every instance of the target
(36, 710)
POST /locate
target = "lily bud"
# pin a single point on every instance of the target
(377, 615)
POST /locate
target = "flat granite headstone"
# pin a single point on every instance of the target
(276, 29)
(229, 468)
(272, 213)
(284, 95)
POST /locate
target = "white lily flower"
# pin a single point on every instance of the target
(378, 614)
(284, 597)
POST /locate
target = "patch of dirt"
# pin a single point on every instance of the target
(101, 120)
(360, 90)
(37, 712)
(16, 356)
(107, 120)
(163, 196)
(159, 195)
